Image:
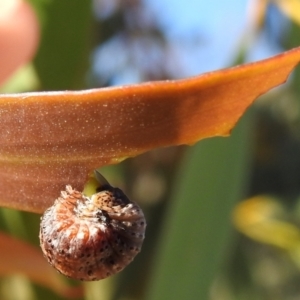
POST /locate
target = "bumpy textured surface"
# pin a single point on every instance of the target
(92, 238)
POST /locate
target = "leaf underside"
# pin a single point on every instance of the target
(52, 139)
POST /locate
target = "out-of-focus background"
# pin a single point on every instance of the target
(223, 215)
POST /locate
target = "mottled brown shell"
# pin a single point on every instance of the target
(91, 238)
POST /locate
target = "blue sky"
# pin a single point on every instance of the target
(219, 23)
(205, 35)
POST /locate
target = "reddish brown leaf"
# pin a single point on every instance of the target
(17, 257)
(19, 35)
(52, 139)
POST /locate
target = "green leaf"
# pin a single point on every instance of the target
(62, 59)
(197, 229)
